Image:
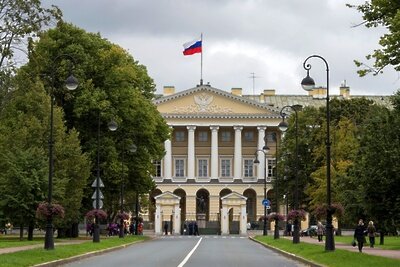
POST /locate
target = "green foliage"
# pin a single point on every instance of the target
(112, 86)
(386, 14)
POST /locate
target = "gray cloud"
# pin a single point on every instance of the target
(270, 38)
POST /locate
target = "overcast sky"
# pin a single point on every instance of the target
(270, 38)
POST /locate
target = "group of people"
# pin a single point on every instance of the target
(114, 228)
(361, 232)
(190, 228)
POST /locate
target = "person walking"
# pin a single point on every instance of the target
(320, 231)
(371, 233)
(166, 228)
(359, 234)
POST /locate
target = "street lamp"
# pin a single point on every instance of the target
(276, 232)
(283, 126)
(71, 83)
(256, 161)
(113, 126)
(308, 84)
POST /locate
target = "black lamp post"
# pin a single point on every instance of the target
(308, 84)
(71, 83)
(113, 126)
(256, 161)
(276, 232)
(283, 126)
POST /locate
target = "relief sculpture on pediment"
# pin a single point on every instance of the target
(203, 104)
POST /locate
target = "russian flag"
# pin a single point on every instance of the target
(192, 47)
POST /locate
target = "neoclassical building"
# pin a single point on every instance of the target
(208, 173)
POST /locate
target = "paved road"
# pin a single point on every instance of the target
(191, 251)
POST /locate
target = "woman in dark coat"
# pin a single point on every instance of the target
(359, 234)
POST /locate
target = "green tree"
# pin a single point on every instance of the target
(20, 19)
(113, 86)
(24, 128)
(385, 14)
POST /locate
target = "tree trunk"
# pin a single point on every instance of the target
(61, 233)
(382, 238)
(21, 232)
(30, 231)
(75, 230)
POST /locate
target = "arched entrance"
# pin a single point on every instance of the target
(235, 203)
(224, 192)
(251, 204)
(182, 203)
(167, 211)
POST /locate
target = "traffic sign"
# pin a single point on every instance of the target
(100, 204)
(266, 203)
(94, 184)
(101, 196)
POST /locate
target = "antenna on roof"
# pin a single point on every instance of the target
(254, 78)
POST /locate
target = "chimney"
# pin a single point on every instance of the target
(269, 92)
(344, 90)
(169, 90)
(236, 91)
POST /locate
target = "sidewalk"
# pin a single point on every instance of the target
(395, 254)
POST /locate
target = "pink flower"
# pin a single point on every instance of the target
(45, 211)
(296, 214)
(124, 216)
(101, 214)
(275, 216)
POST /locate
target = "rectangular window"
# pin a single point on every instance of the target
(248, 168)
(179, 136)
(179, 168)
(225, 136)
(271, 168)
(203, 168)
(203, 136)
(249, 136)
(225, 168)
(157, 167)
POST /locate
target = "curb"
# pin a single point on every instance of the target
(86, 255)
(288, 255)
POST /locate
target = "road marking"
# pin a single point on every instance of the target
(190, 254)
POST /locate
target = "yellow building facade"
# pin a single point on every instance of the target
(208, 175)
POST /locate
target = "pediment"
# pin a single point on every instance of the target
(206, 100)
(234, 196)
(167, 195)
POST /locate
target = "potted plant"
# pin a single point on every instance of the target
(45, 211)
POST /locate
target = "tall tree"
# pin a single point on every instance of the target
(386, 14)
(113, 86)
(20, 19)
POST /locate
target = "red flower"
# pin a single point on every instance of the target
(275, 216)
(101, 214)
(45, 211)
(296, 214)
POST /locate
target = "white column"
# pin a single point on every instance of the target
(158, 220)
(214, 152)
(243, 220)
(168, 159)
(261, 156)
(224, 221)
(237, 173)
(177, 220)
(191, 164)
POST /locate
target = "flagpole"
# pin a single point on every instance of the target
(201, 62)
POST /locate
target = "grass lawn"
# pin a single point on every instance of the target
(40, 255)
(8, 241)
(390, 242)
(337, 258)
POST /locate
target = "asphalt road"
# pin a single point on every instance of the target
(191, 251)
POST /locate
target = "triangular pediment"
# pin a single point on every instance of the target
(167, 195)
(206, 100)
(234, 196)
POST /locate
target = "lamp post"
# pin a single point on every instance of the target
(283, 126)
(308, 84)
(276, 232)
(256, 161)
(113, 126)
(71, 83)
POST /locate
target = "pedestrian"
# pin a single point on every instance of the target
(359, 234)
(166, 228)
(196, 228)
(320, 231)
(371, 233)
(289, 229)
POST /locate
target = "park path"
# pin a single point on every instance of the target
(28, 247)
